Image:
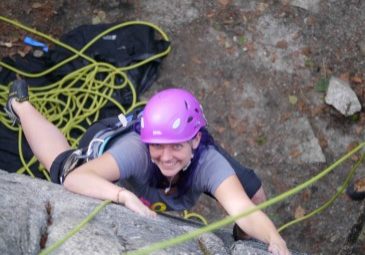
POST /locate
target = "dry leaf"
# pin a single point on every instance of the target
(306, 51)
(37, 5)
(359, 129)
(360, 185)
(293, 100)
(295, 153)
(345, 76)
(282, 44)
(303, 107)
(285, 116)
(352, 146)
(6, 44)
(323, 142)
(220, 130)
(196, 60)
(250, 47)
(240, 128)
(299, 212)
(357, 79)
(210, 14)
(317, 110)
(262, 7)
(24, 51)
(226, 84)
(273, 57)
(248, 103)
(233, 122)
(306, 195)
(224, 2)
(311, 21)
(355, 157)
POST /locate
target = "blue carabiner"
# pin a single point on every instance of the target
(32, 42)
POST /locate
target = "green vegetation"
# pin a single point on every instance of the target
(242, 40)
(308, 63)
(322, 84)
(261, 140)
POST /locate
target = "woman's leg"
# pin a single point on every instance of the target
(259, 196)
(45, 139)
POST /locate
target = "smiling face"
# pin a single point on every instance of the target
(172, 158)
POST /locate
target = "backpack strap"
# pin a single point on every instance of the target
(101, 134)
(101, 140)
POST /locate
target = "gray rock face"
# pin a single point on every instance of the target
(361, 46)
(310, 5)
(301, 146)
(342, 97)
(251, 248)
(35, 214)
(35, 209)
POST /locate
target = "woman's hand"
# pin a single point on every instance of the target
(234, 199)
(277, 246)
(132, 202)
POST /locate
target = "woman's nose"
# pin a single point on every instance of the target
(166, 154)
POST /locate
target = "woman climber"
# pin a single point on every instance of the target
(171, 158)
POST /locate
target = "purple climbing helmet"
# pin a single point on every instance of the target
(171, 116)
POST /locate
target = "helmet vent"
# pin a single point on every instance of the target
(186, 105)
(176, 123)
(190, 119)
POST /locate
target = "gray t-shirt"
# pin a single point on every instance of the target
(133, 160)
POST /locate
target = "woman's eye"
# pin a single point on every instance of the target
(155, 145)
(177, 146)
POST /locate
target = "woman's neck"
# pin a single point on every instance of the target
(171, 180)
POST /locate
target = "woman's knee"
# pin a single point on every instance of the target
(259, 196)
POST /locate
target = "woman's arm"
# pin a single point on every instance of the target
(94, 179)
(233, 198)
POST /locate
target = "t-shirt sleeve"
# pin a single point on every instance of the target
(212, 171)
(131, 155)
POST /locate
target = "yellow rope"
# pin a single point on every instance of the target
(192, 215)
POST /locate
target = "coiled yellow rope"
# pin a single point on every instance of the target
(85, 93)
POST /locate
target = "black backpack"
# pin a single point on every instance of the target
(122, 47)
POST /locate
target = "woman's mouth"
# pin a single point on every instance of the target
(170, 164)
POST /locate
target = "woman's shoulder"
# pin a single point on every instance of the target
(128, 141)
(130, 154)
(212, 169)
(129, 137)
(211, 154)
(211, 160)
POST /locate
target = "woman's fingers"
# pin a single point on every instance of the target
(278, 248)
(133, 203)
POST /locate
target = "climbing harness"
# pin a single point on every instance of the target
(99, 141)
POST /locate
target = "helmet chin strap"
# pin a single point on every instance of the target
(188, 164)
(169, 187)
